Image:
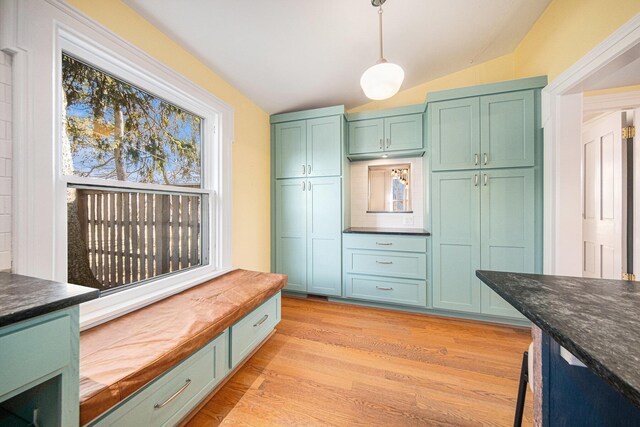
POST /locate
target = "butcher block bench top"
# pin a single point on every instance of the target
(121, 356)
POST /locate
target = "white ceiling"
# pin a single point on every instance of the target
(288, 55)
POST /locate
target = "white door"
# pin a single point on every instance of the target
(603, 172)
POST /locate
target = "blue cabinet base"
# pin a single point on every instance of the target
(576, 396)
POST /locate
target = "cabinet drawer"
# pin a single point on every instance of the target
(387, 263)
(380, 289)
(252, 329)
(22, 349)
(172, 396)
(385, 242)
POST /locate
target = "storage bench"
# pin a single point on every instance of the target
(154, 365)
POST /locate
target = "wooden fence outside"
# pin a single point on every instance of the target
(136, 236)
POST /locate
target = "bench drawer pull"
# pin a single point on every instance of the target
(380, 288)
(384, 244)
(261, 321)
(173, 397)
(384, 262)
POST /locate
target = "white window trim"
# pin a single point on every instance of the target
(39, 31)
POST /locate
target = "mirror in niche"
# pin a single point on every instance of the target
(389, 188)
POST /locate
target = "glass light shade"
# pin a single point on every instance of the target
(382, 81)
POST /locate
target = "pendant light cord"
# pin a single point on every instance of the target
(380, 25)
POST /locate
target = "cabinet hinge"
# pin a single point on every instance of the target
(629, 276)
(628, 132)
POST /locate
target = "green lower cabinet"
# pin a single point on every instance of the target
(507, 230)
(391, 290)
(308, 234)
(324, 236)
(481, 220)
(456, 240)
(291, 232)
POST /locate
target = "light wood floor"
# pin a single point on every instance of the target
(343, 365)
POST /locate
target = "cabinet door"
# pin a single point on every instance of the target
(403, 132)
(507, 200)
(456, 240)
(291, 149)
(324, 146)
(366, 136)
(455, 134)
(507, 129)
(324, 263)
(291, 232)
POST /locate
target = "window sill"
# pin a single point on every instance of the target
(101, 310)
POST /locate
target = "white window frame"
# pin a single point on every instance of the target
(43, 30)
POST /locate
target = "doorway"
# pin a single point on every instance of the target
(615, 63)
(609, 166)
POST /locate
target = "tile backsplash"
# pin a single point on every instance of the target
(360, 196)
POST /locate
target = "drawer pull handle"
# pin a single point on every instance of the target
(383, 244)
(384, 262)
(174, 396)
(261, 321)
(380, 288)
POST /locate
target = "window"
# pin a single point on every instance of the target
(136, 205)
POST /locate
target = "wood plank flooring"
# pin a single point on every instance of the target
(343, 365)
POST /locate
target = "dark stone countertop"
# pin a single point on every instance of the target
(398, 231)
(597, 320)
(24, 297)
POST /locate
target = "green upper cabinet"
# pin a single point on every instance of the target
(291, 149)
(455, 134)
(389, 134)
(366, 136)
(491, 131)
(403, 132)
(507, 230)
(507, 129)
(456, 240)
(308, 148)
(324, 146)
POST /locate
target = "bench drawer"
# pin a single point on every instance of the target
(171, 397)
(252, 329)
(385, 242)
(386, 263)
(387, 290)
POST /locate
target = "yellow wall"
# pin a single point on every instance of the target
(564, 33)
(251, 226)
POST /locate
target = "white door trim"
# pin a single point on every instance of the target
(562, 119)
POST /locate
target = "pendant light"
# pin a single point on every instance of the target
(382, 80)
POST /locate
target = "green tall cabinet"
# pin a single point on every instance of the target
(307, 199)
(485, 185)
